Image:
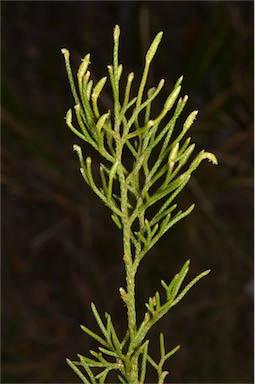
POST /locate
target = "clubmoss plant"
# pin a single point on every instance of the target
(141, 175)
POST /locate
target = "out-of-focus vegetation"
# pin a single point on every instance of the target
(60, 249)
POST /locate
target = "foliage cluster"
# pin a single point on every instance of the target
(141, 175)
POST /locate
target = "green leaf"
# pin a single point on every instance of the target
(162, 344)
(172, 352)
(108, 352)
(122, 380)
(117, 221)
(114, 337)
(144, 361)
(94, 335)
(98, 320)
(189, 286)
(77, 371)
(174, 288)
(66, 54)
(153, 48)
(88, 370)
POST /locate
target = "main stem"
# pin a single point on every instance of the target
(130, 280)
(131, 360)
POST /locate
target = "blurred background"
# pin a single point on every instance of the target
(60, 248)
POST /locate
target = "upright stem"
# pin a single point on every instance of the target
(130, 280)
(131, 360)
(127, 258)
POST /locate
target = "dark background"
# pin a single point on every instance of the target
(60, 249)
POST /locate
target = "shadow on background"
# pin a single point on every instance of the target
(60, 249)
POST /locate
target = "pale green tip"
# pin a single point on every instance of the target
(86, 58)
(150, 123)
(116, 32)
(76, 147)
(131, 76)
(122, 291)
(153, 48)
(192, 207)
(65, 52)
(69, 117)
(190, 119)
(211, 157)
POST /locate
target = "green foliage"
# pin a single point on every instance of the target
(141, 175)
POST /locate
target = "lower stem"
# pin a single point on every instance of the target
(131, 365)
(131, 360)
(130, 279)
